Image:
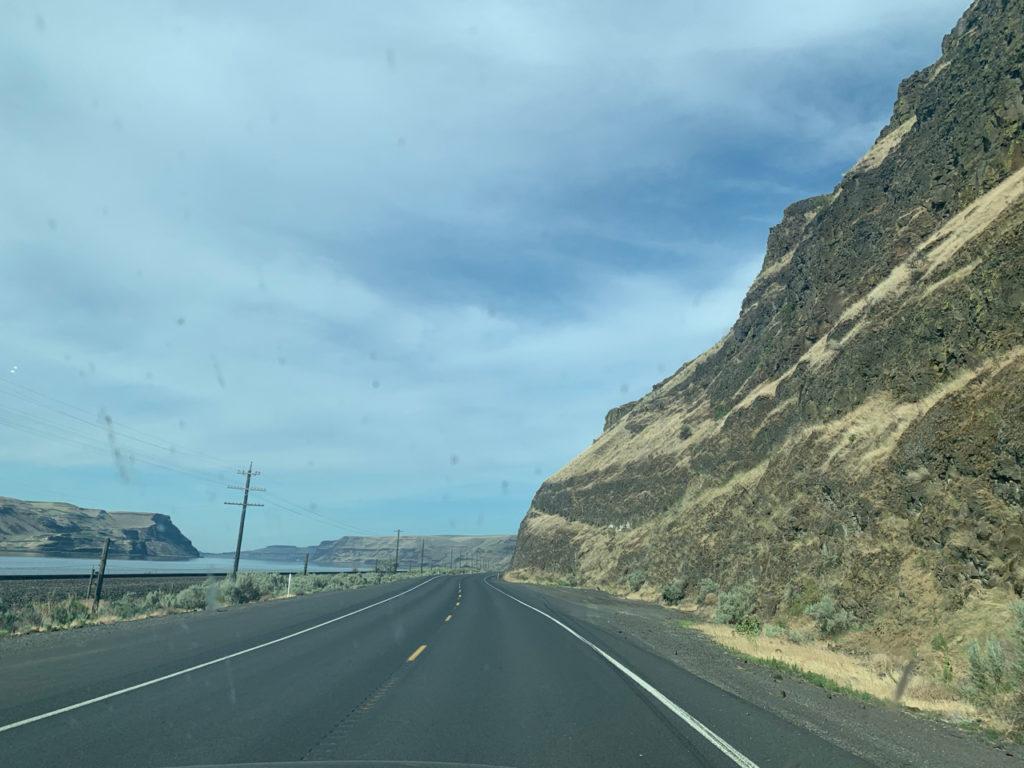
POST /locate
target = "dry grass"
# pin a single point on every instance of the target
(773, 269)
(953, 277)
(867, 435)
(765, 389)
(972, 221)
(940, 247)
(746, 479)
(938, 68)
(875, 676)
(883, 147)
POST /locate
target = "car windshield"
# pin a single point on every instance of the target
(546, 383)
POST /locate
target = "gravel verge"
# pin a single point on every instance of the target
(885, 735)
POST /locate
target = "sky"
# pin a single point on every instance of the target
(402, 256)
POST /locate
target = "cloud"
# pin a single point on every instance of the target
(352, 243)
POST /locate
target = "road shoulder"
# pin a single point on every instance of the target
(881, 734)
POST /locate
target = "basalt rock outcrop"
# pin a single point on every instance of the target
(859, 432)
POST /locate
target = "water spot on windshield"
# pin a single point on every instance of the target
(220, 374)
(120, 462)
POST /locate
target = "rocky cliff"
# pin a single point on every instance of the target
(64, 530)
(859, 432)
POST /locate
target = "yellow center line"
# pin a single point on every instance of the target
(448, 617)
(417, 652)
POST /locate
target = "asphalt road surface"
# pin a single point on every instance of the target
(450, 669)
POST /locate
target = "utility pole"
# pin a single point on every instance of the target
(398, 538)
(92, 580)
(99, 575)
(451, 559)
(244, 504)
(421, 555)
(305, 565)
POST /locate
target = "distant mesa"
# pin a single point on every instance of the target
(57, 529)
(366, 552)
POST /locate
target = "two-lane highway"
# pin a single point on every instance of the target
(449, 669)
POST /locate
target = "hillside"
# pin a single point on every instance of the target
(365, 552)
(64, 530)
(859, 432)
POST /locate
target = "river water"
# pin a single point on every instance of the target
(64, 566)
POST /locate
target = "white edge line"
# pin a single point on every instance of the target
(725, 747)
(180, 672)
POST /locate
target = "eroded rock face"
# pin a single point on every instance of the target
(860, 429)
(55, 528)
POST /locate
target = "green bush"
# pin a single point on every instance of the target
(749, 625)
(636, 579)
(705, 588)
(736, 604)
(796, 636)
(126, 606)
(8, 619)
(1017, 636)
(830, 618)
(674, 591)
(995, 673)
(66, 611)
(249, 587)
(774, 630)
(986, 676)
(320, 582)
(191, 598)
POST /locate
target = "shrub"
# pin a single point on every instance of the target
(796, 636)
(986, 675)
(830, 618)
(126, 606)
(8, 619)
(635, 580)
(674, 591)
(1018, 641)
(736, 604)
(995, 673)
(749, 625)
(774, 630)
(191, 598)
(65, 612)
(250, 587)
(705, 588)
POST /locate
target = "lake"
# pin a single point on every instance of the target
(60, 566)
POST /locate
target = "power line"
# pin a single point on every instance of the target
(291, 506)
(99, 448)
(87, 441)
(121, 430)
